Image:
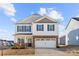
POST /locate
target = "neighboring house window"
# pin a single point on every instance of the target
(40, 27)
(19, 28)
(77, 38)
(28, 28)
(50, 27)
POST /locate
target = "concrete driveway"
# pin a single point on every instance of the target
(50, 52)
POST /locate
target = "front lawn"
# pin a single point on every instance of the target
(28, 51)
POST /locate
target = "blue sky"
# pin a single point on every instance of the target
(10, 13)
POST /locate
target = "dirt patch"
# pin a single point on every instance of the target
(19, 52)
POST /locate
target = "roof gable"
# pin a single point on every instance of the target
(37, 18)
(45, 19)
(74, 18)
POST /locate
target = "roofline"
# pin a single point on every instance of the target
(44, 17)
(38, 19)
(68, 24)
(23, 23)
(24, 18)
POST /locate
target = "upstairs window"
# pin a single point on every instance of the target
(40, 27)
(19, 28)
(28, 28)
(50, 27)
(23, 28)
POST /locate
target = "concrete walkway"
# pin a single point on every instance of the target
(49, 52)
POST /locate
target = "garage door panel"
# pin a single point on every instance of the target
(45, 44)
(51, 44)
(40, 44)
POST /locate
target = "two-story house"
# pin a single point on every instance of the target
(37, 31)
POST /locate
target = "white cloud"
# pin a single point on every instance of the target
(61, 26)
(56, 15)
(3, 31)
(6, 35)
(8, 9)
(13, 20)
(61, 30)
(62, 33)
(51, 13)
(42, 11)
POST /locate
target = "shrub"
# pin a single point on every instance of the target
(16, 46)
(22, 47)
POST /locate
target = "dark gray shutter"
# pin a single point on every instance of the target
(53, 27)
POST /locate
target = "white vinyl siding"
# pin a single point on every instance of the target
(45, 31)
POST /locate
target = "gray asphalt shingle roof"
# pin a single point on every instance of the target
(31, 18)
(76, 18)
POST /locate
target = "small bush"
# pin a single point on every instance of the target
(18, 47)
(22, 47)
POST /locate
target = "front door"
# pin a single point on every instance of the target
(29, 42)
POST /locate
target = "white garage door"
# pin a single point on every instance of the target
(45, 43)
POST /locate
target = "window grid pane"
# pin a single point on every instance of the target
(50, 27)
(28, 28)
(40, 27)
(19, 28)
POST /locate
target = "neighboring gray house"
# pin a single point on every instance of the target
(62, 40)
(72, 32)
